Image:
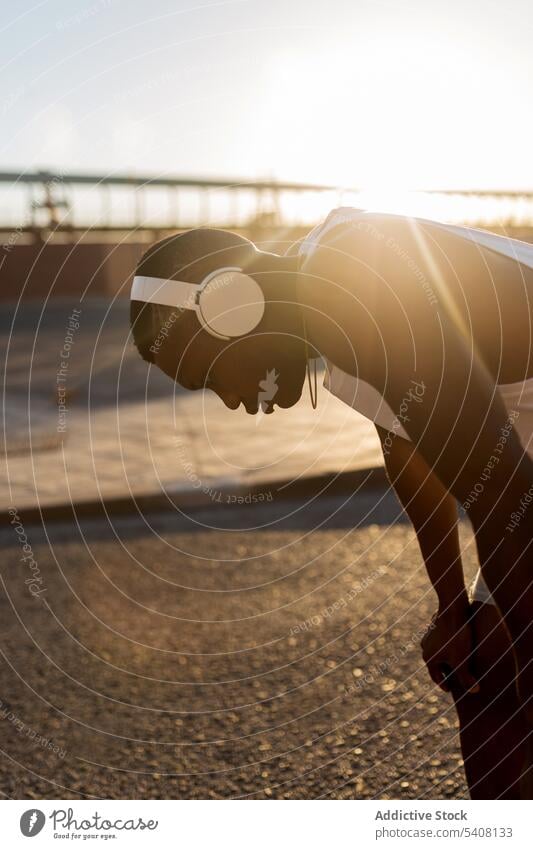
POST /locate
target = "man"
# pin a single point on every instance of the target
(426, 329)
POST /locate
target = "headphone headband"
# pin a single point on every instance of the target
(167, 293)
(228, 302)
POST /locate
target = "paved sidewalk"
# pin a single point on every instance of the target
(125, 430)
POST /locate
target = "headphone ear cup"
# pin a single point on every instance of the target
(231, 304)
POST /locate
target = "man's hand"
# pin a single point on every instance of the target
(448, 649)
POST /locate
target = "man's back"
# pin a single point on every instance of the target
(406, 273)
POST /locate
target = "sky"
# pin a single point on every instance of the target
(384, 94)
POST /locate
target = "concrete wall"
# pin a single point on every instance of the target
(39, 270)
(105, 268)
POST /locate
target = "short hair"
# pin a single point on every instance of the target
(187, 256)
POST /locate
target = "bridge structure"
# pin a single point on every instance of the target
(63, 234)
(47, 204)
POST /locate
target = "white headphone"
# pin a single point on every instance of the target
(228, 302)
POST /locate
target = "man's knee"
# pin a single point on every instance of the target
(502, 509)
(493, 659)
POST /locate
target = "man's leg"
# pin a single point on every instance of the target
(492, 726)
(451, 410)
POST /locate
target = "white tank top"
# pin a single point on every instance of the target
(513, 248)
(358, 394)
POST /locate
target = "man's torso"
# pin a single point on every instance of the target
(375, 281)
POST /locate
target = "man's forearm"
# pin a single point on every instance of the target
(433, 512)
(442, 557)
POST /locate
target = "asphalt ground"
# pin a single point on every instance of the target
(259, 651)
(105, 427)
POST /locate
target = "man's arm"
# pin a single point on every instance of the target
(433, 512)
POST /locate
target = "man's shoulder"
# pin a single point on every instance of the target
(363, 227)
(354, 235)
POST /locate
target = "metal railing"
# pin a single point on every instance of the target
(68, 202)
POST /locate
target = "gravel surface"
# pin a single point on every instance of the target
(265, 651)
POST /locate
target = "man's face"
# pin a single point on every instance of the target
(260, 370)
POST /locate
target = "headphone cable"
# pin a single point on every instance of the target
(314, 397)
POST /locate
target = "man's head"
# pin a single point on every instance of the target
(174, 339)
